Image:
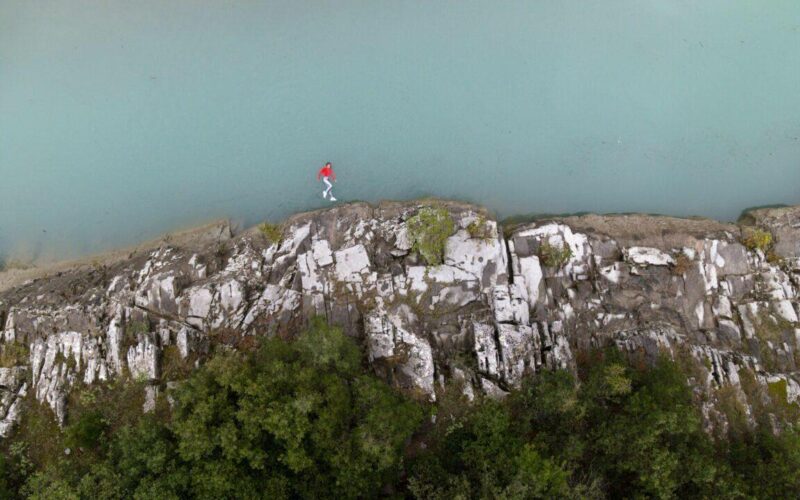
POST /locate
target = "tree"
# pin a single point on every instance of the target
(481, 456)
(300, 417)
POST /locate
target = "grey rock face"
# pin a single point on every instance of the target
(490, 315)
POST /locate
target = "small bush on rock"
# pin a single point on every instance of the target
(428, 231)
(757, 239)
(480, 229)
(553, 255)
(272, 232)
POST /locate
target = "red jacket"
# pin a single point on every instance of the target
(326, 171)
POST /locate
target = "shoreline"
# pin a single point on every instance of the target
(218, 229)
(481, 305)
(223, 229)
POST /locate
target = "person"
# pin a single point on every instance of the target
(325, 173)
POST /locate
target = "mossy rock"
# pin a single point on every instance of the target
(13, 354)
(428, 231)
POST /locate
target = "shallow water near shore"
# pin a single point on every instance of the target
(119, 120)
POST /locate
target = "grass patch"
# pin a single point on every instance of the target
(428, 231)
(134, 328)
(13, 354)
(757, 239)
(772, 399)
(778, 392)
(554, 255)
(767, 357)
(779, 397)
(61, 358)
(773, 258)
(272, 232)
(132, 331)
(771, 328)
(479, 229)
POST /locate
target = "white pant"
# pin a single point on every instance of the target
(327, 191)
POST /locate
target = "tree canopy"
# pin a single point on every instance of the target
(308, 419)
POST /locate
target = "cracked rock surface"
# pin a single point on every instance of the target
(490, 315)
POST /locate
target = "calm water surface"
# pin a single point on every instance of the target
(120, 120)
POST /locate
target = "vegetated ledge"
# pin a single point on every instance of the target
(720, 297)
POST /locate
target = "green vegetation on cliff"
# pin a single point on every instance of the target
(757, 239)
(428, 231)
(272, 232)
(305, 419)
(554, 255)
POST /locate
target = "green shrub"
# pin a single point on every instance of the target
(772, 328)
(15, 467)
(272, 232)
(553, 255)
(778, 391)
(134, 328)
(295, 419)
(117, 403)
(86, 431)
(617, 381)
(428, 231)
(39, 432)
(757, 239)
(480, 229)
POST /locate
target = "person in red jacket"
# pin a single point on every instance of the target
(325, 173)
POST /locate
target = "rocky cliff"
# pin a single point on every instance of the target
(500, 307)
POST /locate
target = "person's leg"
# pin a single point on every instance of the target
(328, 190)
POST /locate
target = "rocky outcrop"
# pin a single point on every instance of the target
(496, 310)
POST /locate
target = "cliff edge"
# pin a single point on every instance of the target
(500, 306)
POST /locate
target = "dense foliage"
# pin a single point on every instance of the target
(304, 419)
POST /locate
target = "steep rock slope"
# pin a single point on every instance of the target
(490, 314)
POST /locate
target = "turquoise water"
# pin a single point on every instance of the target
(120, 120)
